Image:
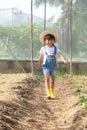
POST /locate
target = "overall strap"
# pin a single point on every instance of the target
(55, 50)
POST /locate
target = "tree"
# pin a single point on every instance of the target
(79, 28)
(17, 40)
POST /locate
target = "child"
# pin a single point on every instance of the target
(47, 60)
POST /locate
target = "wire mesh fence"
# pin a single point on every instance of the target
(15, 31)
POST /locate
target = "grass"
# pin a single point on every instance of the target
(82, 98)
(58, 75)
(40, 76)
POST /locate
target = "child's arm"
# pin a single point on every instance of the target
(40, 59)
(63, 58)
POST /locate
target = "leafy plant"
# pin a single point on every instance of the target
(78, 89)
(82, 98)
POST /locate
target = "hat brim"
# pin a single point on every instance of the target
(55, 34)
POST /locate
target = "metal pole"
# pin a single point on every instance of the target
(31, 36)
(45, 15)
(70, 33)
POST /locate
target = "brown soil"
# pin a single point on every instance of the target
(23, 104)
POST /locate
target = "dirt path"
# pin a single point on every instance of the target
(23, 105)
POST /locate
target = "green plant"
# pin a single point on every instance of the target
(84, 105)
(78, 89)
(82, 98)
(59, 75)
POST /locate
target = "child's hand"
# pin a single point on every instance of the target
(67, 62)
(40, 65)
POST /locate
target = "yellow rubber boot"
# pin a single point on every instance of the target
(48, 93)
(52, 93)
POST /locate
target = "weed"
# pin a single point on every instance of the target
(82, 98)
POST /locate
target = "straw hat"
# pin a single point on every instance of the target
(55, 34)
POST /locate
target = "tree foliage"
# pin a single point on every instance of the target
(79, 28)
(18, 41)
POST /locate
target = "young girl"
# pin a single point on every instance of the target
(47, 60)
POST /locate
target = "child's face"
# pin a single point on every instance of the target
(50, 42)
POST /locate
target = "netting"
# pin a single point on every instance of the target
(15, 31)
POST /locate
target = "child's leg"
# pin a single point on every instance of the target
(47, 84)
(47, 81)
(52, 83)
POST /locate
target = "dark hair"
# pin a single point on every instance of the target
(49, 37)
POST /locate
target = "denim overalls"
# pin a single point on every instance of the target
(50, 63)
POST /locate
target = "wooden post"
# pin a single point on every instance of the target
(45, 15)
(31, 37)
(70, 33)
